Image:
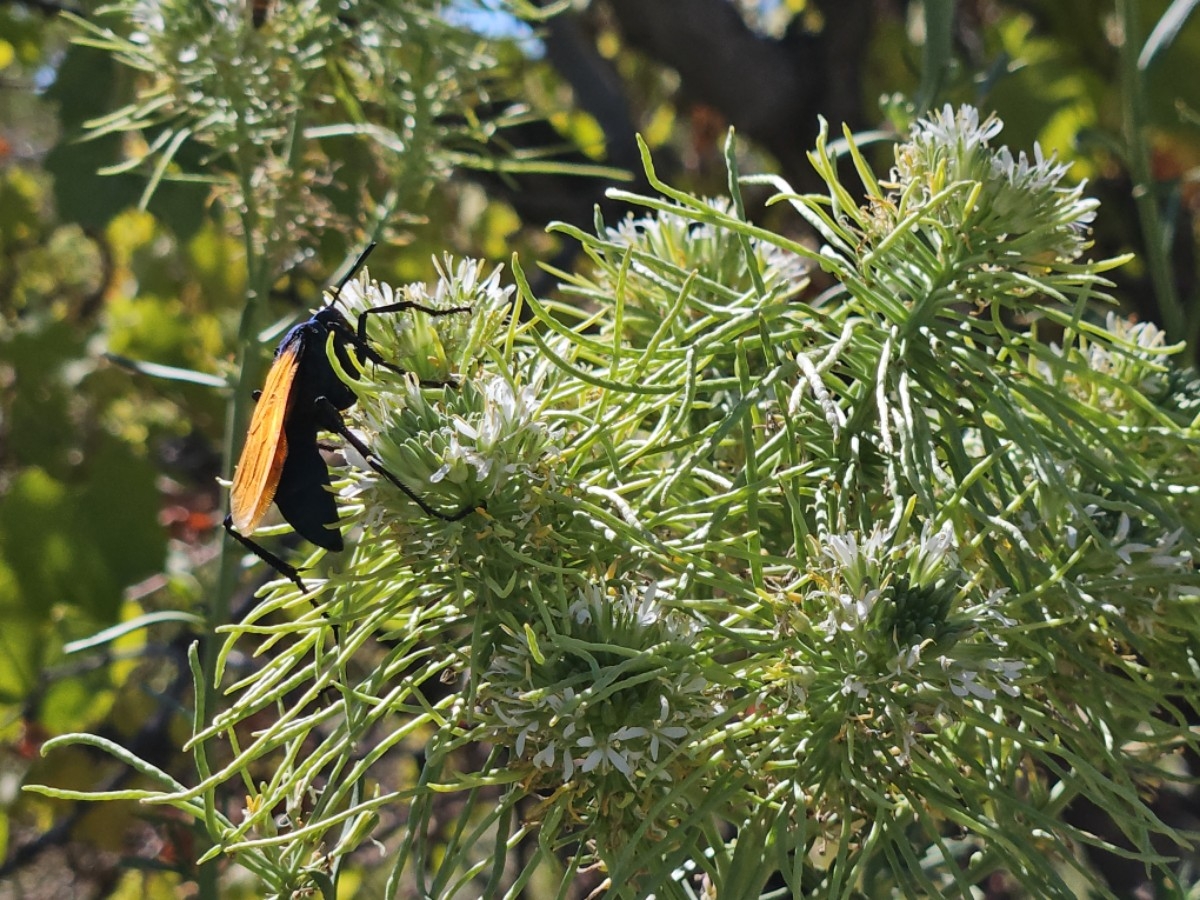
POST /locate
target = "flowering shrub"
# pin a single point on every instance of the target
(828, 597)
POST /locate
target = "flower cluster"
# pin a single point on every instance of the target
(668, 243)
(434, 347)
(455, 437)
(713, 251)
(1127, 370)
(1135, 362)
(614, 689)
(1021, 204)
(1127, 539)
(205, 52)
(1126, 566)
(888, 629)
(254, 84)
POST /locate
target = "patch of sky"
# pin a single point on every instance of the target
(493, 19)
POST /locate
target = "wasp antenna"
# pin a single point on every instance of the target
(358, 264)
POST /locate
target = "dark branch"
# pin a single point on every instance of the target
(46, 7)
(770, 90)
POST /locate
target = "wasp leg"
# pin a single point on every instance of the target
(287, 570)
(332, 420)
(401, 307)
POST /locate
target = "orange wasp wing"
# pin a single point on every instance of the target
(266, 448)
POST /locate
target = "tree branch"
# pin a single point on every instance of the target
(770, 90)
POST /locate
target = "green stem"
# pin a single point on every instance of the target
(1174, 319)
(237, 415)
(236, 419)
(238, 412)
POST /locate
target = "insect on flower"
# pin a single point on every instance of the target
(304, 395)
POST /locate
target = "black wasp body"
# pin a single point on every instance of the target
(304, 395)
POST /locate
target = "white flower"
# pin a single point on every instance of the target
(544, 758)
(935, 546)
(959, 126)
(604, 753)
(963, 683)
(852, 685)
(1006, 672)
